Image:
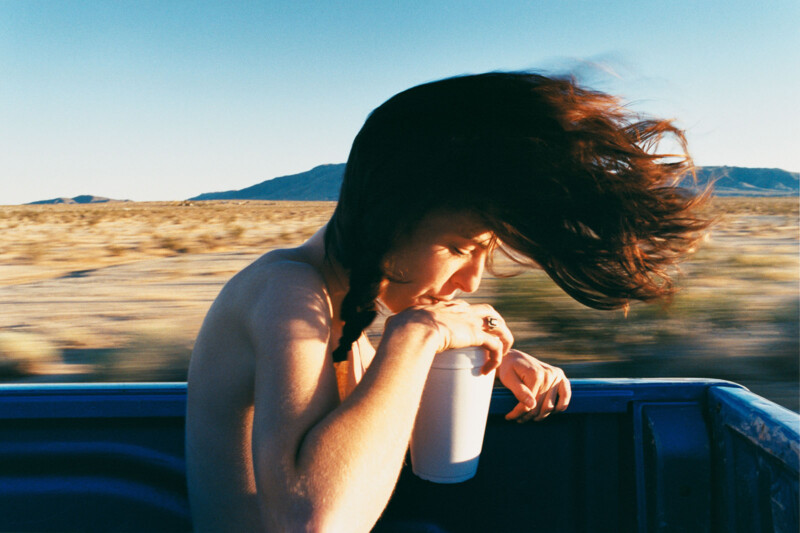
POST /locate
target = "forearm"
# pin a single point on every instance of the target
(347, 465)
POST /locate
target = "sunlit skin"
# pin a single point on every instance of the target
(271, 443)
(445, 256)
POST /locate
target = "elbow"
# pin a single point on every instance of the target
(313, 525)
(308, 524)
(299, 501)
(305, 516)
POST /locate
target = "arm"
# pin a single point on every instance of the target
(319, 464)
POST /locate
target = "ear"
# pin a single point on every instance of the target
(390, 270)
(382, 287)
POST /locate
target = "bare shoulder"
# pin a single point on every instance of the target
(273, 318)
(278, 293)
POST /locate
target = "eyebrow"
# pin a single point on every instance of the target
(484, 244)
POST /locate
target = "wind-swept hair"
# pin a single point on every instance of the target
(564, 176)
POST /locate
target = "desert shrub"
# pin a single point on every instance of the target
(171, 243)
(208, 241)
(23, 354)
(234, 231)
(33, 252)
(116, 249)
(151, 354)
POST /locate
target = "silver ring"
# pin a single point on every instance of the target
(491, 322)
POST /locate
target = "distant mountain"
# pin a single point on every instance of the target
(323, 183)
(82, 199)
(319, 183)
(740, 181)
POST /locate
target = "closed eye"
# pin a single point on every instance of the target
(458, 251)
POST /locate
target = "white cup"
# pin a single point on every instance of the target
(448, 433)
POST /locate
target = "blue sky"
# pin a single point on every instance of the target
(163, 100)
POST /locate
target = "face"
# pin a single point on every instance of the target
(444, 256)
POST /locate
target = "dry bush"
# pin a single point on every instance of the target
(234, 231)
(172, 243)
(151, 354)
(209, 241)
(24, 354)
(32, 252)
(116, 249)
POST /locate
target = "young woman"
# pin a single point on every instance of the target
(439, 178)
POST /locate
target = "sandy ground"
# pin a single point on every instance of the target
(117, 292)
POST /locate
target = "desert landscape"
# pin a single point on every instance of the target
(117, 292)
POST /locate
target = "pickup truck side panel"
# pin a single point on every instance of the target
(628, 455)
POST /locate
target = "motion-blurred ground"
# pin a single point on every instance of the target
(117, 292)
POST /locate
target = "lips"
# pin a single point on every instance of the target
(428, 299)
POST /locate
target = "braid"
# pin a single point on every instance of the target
(358, 306)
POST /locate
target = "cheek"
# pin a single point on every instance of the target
(400, 296)
(392, 300)
(398, 291)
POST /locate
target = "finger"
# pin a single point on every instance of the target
(527, 417)
(541, 386)
(501, 331)
(495, 324)
(548, 404)
(495, 348)
(506, 337)
(518, 410)
(564, 395)
(535, 381)
(522, 393)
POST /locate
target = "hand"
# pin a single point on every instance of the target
(535, 384)
(460, 325)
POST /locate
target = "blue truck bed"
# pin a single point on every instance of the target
(628, 455)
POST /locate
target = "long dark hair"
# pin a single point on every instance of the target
(563, 175)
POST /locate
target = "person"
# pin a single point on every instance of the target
(295, 421)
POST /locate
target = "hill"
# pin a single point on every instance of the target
(319, 183)
(82, 199)
(740, 181)
(323, 183)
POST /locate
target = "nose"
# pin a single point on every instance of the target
(468, 277)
